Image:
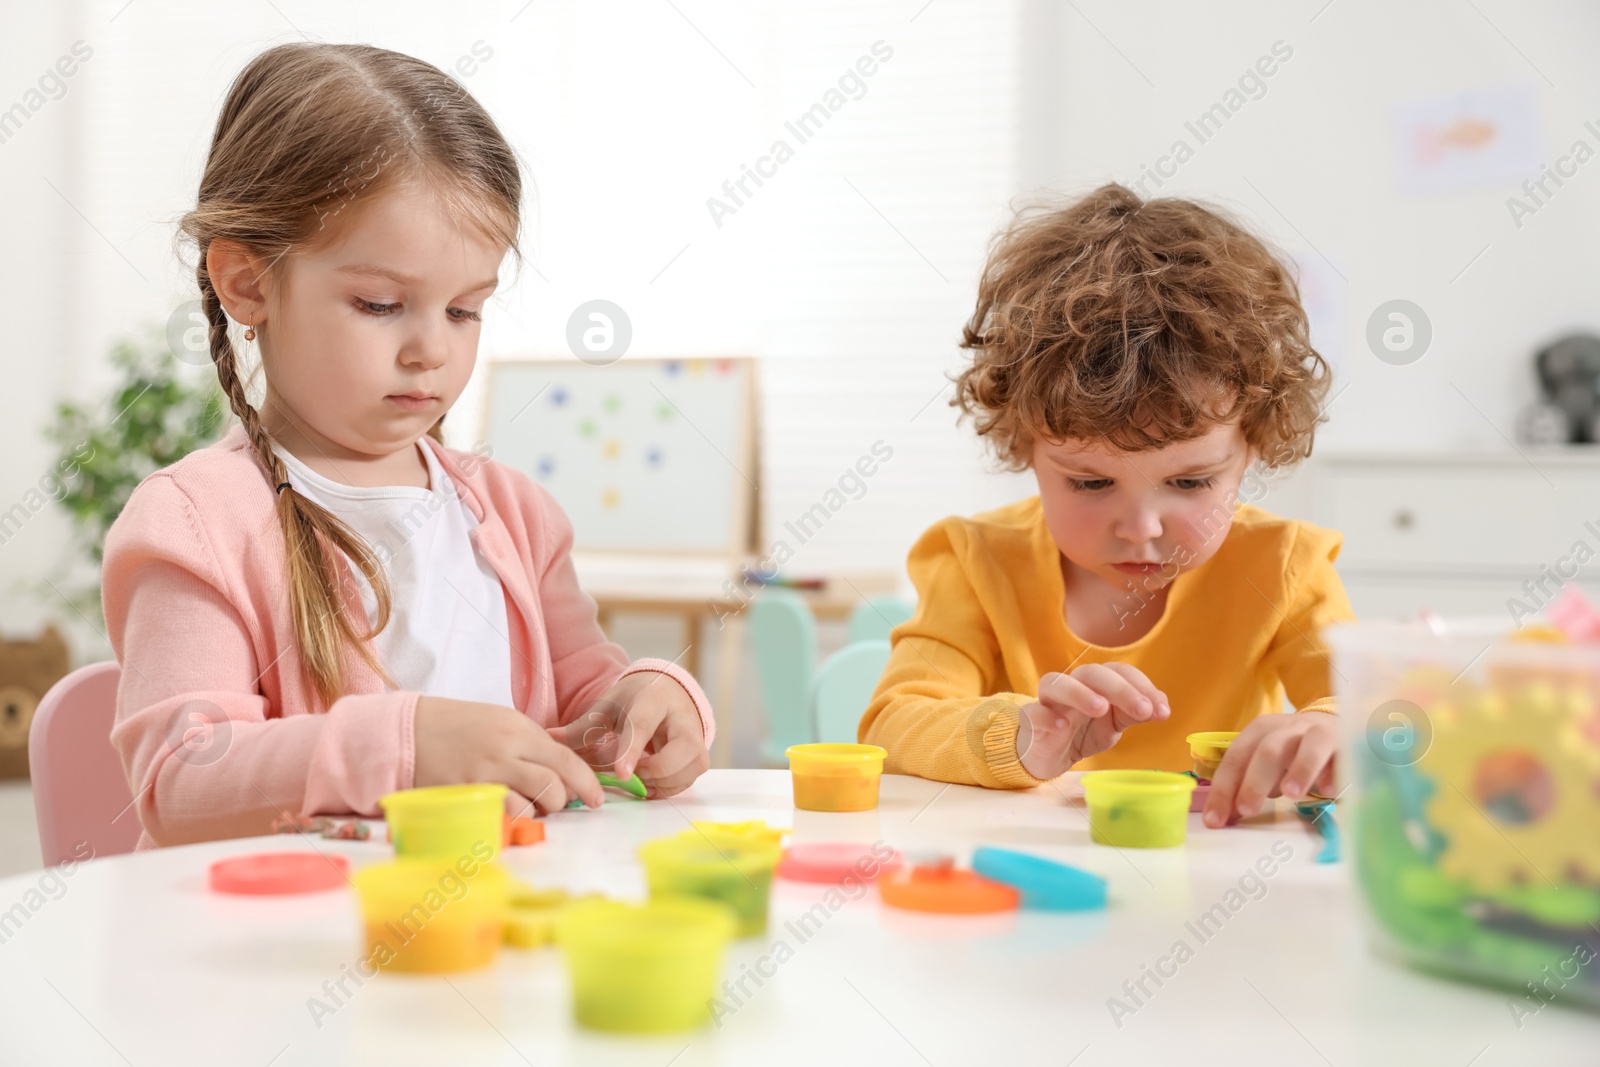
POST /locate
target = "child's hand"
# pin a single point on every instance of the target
(465, 741)
(1276, 755)
(647, 724)
(1082, 713)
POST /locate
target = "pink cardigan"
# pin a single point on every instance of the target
(197, 612)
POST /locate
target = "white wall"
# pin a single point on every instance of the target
(855, 321)
(43, 243)
(630, 114)
(1309, 163)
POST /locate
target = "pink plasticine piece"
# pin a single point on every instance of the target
(1573, 614)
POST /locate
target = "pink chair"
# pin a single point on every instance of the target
(80, 793)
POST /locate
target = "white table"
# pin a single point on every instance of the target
(699, 592)
(136, 962)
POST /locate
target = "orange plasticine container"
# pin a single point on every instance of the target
(429, 916)
(1207, 750)
(836, 777)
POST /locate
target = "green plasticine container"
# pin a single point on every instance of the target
(1138, 809)
(738, 875)
(644, 968)
(447, 820)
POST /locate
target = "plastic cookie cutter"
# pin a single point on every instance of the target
(533, 913)
(1043, 883)
(751, 831)
(834, 861)
(632, 786)
(276, 873)
(1318, 814)
(943, 887)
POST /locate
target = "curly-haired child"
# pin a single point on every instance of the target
(1140, 357)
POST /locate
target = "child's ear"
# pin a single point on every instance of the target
(236, 275)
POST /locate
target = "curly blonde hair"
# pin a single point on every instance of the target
(1141, 321)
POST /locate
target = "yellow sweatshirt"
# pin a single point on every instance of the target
(1236, 634)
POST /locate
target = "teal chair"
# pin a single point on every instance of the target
(783, 639)
(844, 686)
(872, 619)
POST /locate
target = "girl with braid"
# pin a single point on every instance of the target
(328, 604)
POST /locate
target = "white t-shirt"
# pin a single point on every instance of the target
(448, 634)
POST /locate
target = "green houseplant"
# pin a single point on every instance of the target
(159, 410)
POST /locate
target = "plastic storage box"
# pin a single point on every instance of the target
(1472, 763)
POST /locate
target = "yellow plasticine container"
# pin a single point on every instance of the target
(1207, 749)
(425, 916)
(738, 875)
(1138, 809)
(644, 968)
(835, 777)
(447, 820)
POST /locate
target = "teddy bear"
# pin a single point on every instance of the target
(1568, 410)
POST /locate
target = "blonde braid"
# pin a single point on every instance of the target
(321, 623)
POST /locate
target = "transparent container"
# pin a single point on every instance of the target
(1471, 803)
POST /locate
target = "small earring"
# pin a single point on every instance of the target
(249, 333)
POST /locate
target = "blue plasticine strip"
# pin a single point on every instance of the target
(1043, 883)
(1319, 814)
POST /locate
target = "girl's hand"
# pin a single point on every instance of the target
(464, 741)
(1082, 713)
(1276, 755)
(645, 724)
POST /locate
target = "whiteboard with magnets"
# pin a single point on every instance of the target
(644, 455)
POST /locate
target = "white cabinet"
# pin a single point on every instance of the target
(1460, 534)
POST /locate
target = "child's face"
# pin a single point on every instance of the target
(1145, 516)
(343, 340)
